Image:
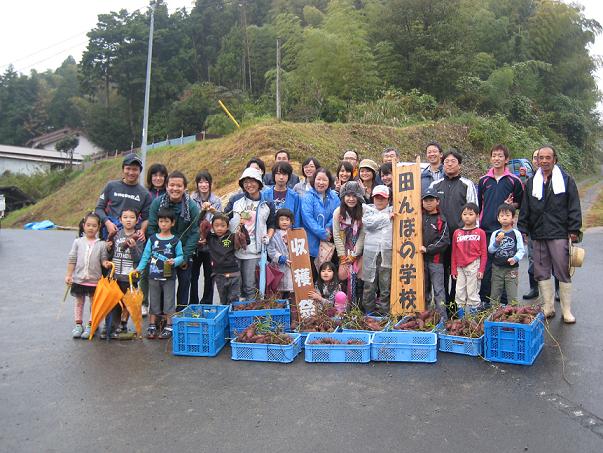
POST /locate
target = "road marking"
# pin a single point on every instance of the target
(575, 412)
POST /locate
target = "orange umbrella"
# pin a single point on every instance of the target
(133, 302)
(106, 296)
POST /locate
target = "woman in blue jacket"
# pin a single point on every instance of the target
(317, 210)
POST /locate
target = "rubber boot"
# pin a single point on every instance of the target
(565, 295)
(547, 294)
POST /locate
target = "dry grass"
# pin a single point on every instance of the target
(594, 216)
(226, 157)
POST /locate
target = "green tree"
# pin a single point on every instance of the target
(67, 145)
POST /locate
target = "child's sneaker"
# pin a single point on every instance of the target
(151, 332)
(166, 333)
(86, 333)
(77, 331)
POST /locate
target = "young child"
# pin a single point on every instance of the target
(164, 251)
(377, 258)
(222, 245)
(469, 255)
(126, 251)
(327, 289)
(279, 252)
(87, 255)
(506, 244)
(436, 240)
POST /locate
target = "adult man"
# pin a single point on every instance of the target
(533, 294)
(124, 193)
(550, 214)
(496, 187)
(435, 172)
(389, 156)
(117, 196)
(454, 192)
(281, 155)
(186, 228)
(352, 157)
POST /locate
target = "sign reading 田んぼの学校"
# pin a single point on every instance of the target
(407, 290)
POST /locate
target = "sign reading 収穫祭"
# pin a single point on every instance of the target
(407, 290)
(301, 271)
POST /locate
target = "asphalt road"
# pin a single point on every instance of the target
(60, 394)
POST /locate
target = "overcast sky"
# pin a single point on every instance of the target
(40, 34)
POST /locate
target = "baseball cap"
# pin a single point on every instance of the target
(381, 190)
(132, 159)
(430, 192)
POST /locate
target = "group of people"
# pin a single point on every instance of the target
(165, 235)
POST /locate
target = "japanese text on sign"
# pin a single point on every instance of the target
(407, 264)
(301, 271)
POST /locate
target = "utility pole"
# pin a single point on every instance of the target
(246, 40)
(278, 79)
(147, 89)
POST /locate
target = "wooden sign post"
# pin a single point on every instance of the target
(301, 271)
(407, 288)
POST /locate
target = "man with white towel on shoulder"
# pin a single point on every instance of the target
(551, 215)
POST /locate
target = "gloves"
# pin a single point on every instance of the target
(265, 240)
(282, 259)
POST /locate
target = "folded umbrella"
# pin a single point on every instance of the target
(106, 296)
(133, 303)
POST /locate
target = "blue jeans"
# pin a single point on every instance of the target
(249, 285)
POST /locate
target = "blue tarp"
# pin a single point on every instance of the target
(43, 225)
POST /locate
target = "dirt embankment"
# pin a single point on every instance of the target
(226, 157)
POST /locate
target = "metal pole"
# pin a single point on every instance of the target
(278, 79)
(147, 89)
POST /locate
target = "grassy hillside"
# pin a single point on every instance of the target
(226, 157)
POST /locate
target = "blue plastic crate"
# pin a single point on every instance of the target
(200, 330)
(514, 343)
(404, 346)
(461, 345)
(240, 320)
(304, 335)
(336, 353)
(378, 318)
(267, 352)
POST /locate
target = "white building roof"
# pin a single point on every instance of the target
(37, 155)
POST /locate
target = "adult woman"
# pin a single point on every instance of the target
(208, 204)
(257, 217)
(348, 235)
(317, 210)
(343, 174)
(156, 180)
(309, 167)
(257, 164)
(186, 228)
(367, 172)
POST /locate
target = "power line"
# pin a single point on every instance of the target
(44, 49)
(23, 68)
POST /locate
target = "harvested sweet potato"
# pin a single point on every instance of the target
(424, 321)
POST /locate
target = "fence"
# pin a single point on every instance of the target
(173, 141)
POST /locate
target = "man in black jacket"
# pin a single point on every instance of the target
(551, 214)
(454, 191)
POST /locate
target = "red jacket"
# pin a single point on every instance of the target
(467, 246)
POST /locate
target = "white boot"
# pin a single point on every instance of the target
(565, 294)
(547, 294)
